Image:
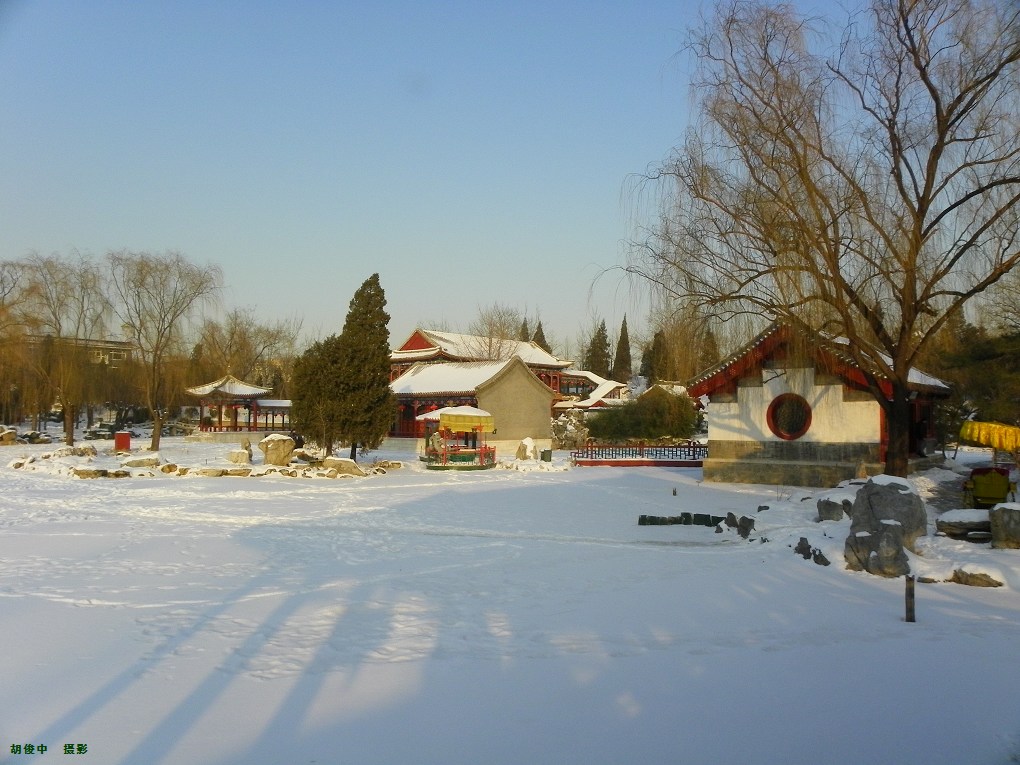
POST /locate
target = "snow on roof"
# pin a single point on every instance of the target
(478, 347)
(273, 403)
(228, 385)
(451, 377)
(596, 398)
(916, 377)
(463, 411)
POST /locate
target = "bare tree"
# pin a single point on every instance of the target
(246, 348)
(15, 320)
(68, 306)
(496, 328)
(867, 192)
(153, 296)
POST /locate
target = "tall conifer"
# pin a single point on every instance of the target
(597, 358)
(539, 338)
(367, 403)
(622, 363)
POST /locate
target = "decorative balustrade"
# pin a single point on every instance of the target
(690, 451)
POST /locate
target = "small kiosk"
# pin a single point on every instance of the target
(455, 439)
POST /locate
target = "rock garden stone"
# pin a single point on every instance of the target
(343, 466)
(886, 517)
(277, 449)
(141, 461)
(1005, 526)
(974, 580)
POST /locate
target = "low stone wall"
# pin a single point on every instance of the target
(783, 472)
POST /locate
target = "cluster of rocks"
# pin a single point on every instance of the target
(278, 451)
(10, 437)
(743, 525)
(887, 518)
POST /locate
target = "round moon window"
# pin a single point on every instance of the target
(789, 416)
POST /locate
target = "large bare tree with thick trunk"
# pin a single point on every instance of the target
(153, 296)
(866, 191)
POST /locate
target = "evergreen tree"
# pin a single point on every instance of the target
(597, 357)
(539, 338)
(366, 400)
(655, 359)
(708, 354)
(525, 334)
(315, 393)
(622, 363)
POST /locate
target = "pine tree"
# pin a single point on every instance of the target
(622, 363)
(524, 335)
(315, 393)
(597, 357)
(539, 338)
(366, 400)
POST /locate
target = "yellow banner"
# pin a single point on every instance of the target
(996, 435)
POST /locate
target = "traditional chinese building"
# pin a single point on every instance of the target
(429, 346)
(517, 400)
(232, 405)
(784, 410)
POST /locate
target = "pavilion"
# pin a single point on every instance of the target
(235, 405)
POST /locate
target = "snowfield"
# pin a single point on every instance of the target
(511, 616)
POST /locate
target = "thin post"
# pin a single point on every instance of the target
(910, 598)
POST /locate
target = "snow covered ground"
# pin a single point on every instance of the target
(507, 616)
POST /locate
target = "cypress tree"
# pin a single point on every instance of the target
(597, 358)
(524, 335)
(539, 338)
(367, 403)
(622, 364)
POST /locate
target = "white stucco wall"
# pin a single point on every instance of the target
(833, 420)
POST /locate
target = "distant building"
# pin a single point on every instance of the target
(517, 400)
(430, 346)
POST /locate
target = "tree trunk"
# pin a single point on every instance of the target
(897, 453)
(70, 415)
(157, 428)
(354, 451)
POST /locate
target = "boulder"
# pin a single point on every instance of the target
(343, 466)
(8, 437)
(239, 456)
(141, 461)
(974, 579)
(833, 510)
(211, 472)
(1005, 523)
(90, 473)
(277, 449)
(964, 524)
(886, 500)
(527, 450)
(878, 553)
(886, 516)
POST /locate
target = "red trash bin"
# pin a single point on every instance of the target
(122, 441)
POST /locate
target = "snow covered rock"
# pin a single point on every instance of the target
(142, 461)
(343, 466)
(887, 515)
(1005, 522)
(527, 450)
(239, 456)
(277, 449)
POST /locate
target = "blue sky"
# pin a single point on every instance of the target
(468, 152)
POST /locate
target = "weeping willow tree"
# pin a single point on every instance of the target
(862, 186)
